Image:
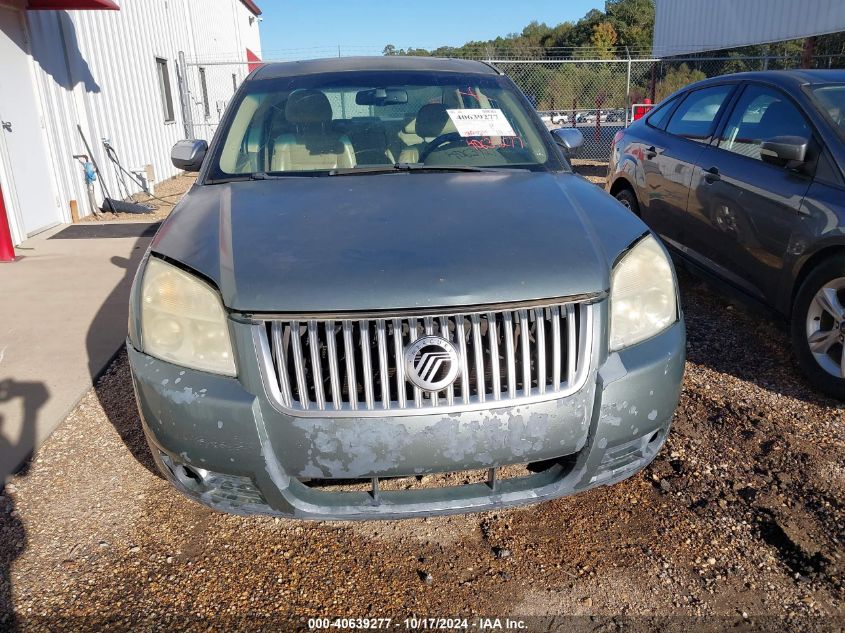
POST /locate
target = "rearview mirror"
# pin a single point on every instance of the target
(785, 151)
(381, 97)
(568, 139)
(189, 154)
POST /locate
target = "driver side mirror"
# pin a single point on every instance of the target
(189, 154)
(785, 151)
(568, 139)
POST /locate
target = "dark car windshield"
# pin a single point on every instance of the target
(338, 122)
(831, 100)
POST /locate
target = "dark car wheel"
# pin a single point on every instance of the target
(629, 200)
(818, 327)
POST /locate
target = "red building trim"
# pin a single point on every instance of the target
(7, 250)
(71, 5)
(249, 4)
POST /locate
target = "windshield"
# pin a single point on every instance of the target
(831, 99)
(340, 122)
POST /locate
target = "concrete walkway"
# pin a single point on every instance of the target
(63, 314)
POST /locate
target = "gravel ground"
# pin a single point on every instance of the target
(739, 523)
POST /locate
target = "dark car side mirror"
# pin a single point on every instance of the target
(785, 151)
(568, 139)
(189, 154)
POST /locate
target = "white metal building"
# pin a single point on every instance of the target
(112, 71)
(692, 26)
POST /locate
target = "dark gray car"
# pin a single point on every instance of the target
(742, 176)
(385, 270)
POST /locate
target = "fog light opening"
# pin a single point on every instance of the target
(197, 476)
(190, 476)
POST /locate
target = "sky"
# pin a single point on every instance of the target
(298, 29)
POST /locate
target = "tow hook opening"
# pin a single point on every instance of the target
(197, 475)
(189, 476)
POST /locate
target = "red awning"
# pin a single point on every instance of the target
(71, 5)
(249, 4)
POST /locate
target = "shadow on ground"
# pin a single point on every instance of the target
(736, 338)
(32, 396)
(120, 410)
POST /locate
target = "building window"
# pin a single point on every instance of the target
(164, 86)
(206, 110)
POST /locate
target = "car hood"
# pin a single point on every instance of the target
(398, 241)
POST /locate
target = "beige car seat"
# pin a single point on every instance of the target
(408, 133)
(432, 121)
(313, 144)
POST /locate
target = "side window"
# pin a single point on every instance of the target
(695, 117)
(761, 114)
(164, 87)
(659, 116)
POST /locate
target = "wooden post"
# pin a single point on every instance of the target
(74, 211)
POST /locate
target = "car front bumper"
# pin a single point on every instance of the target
(222, 442)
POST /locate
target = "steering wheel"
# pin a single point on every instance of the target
(450, 138)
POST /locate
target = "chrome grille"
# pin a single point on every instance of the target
(344, 366)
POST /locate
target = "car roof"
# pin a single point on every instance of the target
(783, 78)
(374, 63)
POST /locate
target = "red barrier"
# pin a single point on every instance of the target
(7, 251)
(639, 110)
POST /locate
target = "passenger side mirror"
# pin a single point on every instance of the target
(568, 139)
(189, 154)
(785, 151)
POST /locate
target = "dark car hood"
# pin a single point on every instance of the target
(349, 243)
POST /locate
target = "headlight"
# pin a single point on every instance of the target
(642, 295)
(183, 321)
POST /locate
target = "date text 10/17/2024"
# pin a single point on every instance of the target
(416, 623)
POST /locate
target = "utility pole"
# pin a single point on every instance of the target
(807, 52)
(628, 87)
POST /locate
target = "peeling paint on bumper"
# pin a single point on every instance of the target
(610, 429)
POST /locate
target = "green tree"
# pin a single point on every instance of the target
(603, 40)
(675, 79)
(634, 24)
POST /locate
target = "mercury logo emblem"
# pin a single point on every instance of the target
(431, 363)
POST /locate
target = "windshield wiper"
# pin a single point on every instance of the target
(263, 175)
(413, 167)
(362, 171)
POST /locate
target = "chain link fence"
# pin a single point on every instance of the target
(205, 89)
(596, 96)
(593, 95)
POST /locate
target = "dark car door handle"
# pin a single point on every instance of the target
(712, 175)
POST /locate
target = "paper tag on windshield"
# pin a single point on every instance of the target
(487, 122)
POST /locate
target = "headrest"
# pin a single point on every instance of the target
(778, 118)
(433, 120)
(308, 106)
